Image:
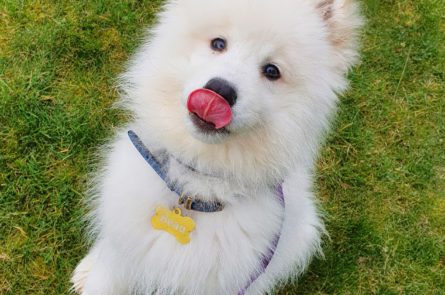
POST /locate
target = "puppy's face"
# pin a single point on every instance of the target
(249, 71)
(274, 66)
(248, 55)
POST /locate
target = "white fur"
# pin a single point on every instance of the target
(274, 137)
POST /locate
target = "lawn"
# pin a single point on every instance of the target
(381, 175)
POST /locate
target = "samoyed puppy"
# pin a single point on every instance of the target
(208, 190)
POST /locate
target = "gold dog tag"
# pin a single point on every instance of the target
(174, 223)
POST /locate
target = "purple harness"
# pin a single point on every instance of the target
(271, 251)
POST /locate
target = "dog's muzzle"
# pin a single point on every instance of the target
(211, 106)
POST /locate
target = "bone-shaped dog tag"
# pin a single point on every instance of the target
(174, 223)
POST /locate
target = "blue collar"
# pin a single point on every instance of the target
(189, 202)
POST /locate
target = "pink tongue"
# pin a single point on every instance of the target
(210, 107)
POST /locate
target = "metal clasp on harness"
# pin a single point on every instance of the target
(186, 202)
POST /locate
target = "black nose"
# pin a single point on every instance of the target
(223, 88)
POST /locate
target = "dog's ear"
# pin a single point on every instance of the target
(343, 21)
(325, 8)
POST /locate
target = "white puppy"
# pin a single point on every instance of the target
(231, 99)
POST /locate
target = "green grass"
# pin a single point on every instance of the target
(381, 177)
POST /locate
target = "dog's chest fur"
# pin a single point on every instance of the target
(225, 247)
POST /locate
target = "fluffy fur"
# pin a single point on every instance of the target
(274, 137)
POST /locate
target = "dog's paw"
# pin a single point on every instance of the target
(80, 274)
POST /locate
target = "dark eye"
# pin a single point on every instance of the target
(271, 72)
(218, 44)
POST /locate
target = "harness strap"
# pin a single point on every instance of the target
(265, 261)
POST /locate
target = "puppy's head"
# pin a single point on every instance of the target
(244, 86)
